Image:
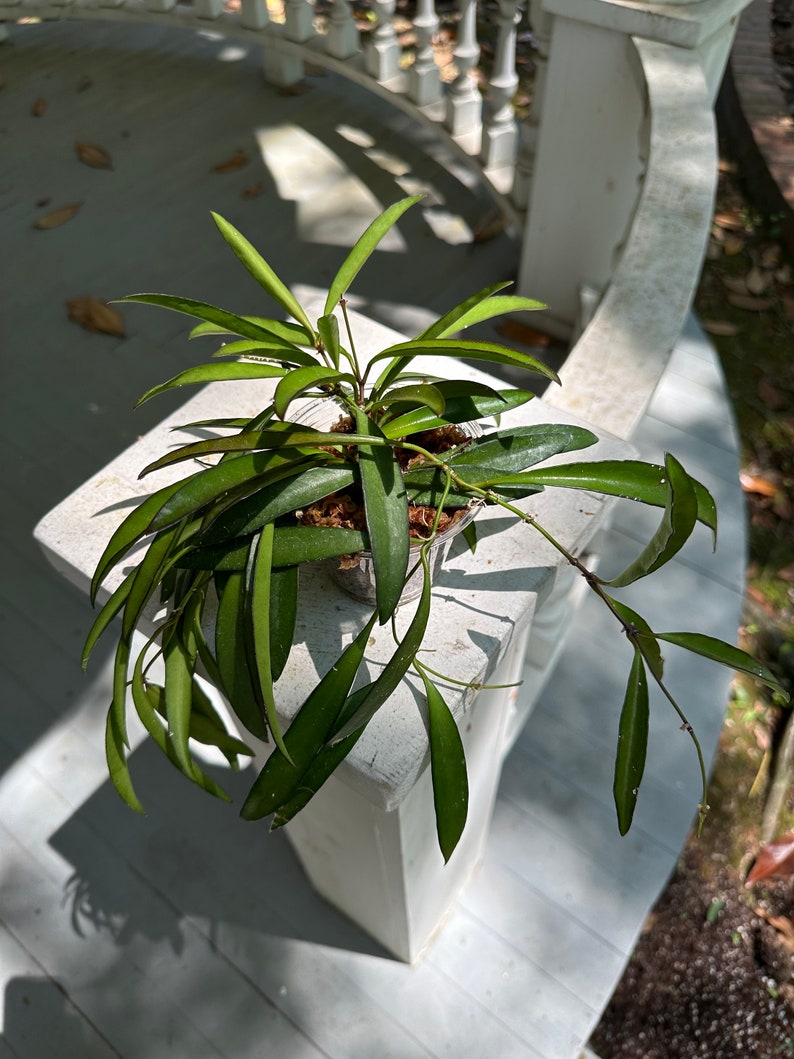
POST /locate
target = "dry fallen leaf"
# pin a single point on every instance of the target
(38, 107)
(491, 225)
(237, 161)
(770, 255)
(735, 284)
(300, 88)
(730, 220)
(516, 331)
(773, 397)
(94, 315)
(756, 281)
(749, 301)
(254, 190)
(756, 483)
(721, 328)
(55, 218)
(775, 860)
(732, 245)
(92, 155)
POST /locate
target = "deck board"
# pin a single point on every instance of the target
(188, 932)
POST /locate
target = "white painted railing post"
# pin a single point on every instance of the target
(342, 41)
(254, 14)
(208, 8)
(541, 22)
(383, 51)
(500, 135)
(424, 81)
(298, 20)
(464, 102)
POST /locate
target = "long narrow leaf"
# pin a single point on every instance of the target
(117, 764)
(633, 479)
(448, 770)
(302, 379)
(362, 250)
(212, 314)
(678, 522)
(283, 330)
(263, 273)
(232, 656)
(106, 615)
(632, 744)
(283, 613)
(293, 545)
(386, 511)
(464, 402)
(487, 310)
(645, 635)
(308, 732)
(257, 619)
(328, 326)
(180, 664)
(448, 323)
(725, 654)
(215, 372)
(397, 666)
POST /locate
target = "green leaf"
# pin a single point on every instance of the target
(283, 613)
(464, 402)
(106, 615)
(293, 545)
(646, 637)
(362, 250)
(403, 353)
(724, 653)
(678, 522)
(448, 770)
(426, 395)
(270, 502)
(232, 656)
(300, 380)
(282, 352)
(205, 373)
(283, 330)
(228, 322)
(632, 744)
(397, 666)
(328, 326)
(449, 322)
(117, 764)
(257, 619)
(470, 536)
(277, 436)
(135, 526)
(324, 764)
(308, 732)
(263, 273)
(632, 479)
(487, 310)
(161, 555)
(180, 665)
(386, 512)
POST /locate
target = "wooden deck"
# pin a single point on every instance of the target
(189, 933)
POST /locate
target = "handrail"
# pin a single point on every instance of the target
(610, 374)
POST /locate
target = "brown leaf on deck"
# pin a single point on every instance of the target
(39, 107)
(516, 331)
(731, 220)
(300, 88)
(95, 315)
(775, 860)
(751, 302)
(721, 328)
(92, 155)
(55, 218)
(756, 281)
(491, 225)
(732, 245)
(756, 483)
(237, 161)
(253, 191)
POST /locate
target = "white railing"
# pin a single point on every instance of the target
(610, 176)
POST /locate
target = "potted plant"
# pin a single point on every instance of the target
(392, 460)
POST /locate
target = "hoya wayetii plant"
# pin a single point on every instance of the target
(223, 545)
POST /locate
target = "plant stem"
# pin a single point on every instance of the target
(360, 399)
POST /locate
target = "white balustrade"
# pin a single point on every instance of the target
(464, 103)
(383, 50)
(500, 135)
(342, 33)
(424, 81)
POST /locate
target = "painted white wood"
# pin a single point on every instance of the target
(342, 41)
(500, 132)
(383, 50)
(464, 103)
(424, 81)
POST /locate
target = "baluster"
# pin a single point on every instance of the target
(160, 5)
(254, 14)
(298, 20)
(541, 22)
(424, 82)
(464, 102)
(208, 8)
(342, 33)
(383, 50)
(500, 135)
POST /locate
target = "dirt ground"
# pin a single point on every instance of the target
(713, 973)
